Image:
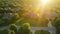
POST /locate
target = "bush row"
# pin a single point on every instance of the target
(24, 29)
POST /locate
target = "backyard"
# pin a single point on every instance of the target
(29, 16)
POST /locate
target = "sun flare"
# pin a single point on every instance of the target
(44, 2)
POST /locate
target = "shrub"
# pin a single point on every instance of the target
(25, 29)
(13, 27)
(37, 32)
(42, 32)
(4, 32)
(11, 32)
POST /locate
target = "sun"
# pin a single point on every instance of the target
(44, 2)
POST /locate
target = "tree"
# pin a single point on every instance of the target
(57, 25)
(25, 29)
(11, 6)
(13, 27)
(8, 9)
